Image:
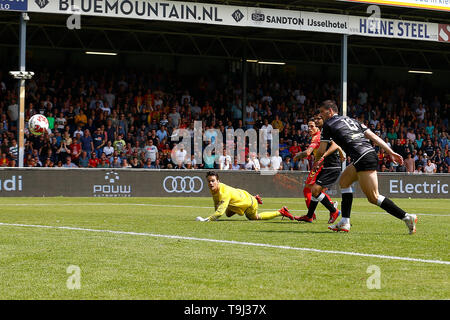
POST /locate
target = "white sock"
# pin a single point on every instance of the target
(345, 220)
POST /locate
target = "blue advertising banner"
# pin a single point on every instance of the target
(14, 5)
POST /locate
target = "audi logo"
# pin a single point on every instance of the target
(183, 184)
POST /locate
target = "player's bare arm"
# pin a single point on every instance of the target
(303, 154)
(377, 140)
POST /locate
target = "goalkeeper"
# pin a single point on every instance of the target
(231, 201)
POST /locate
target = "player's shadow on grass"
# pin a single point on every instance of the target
(296, 231)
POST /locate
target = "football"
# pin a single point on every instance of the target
(38, 124)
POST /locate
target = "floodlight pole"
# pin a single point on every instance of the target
(23, 37)
(344, 65)
(244, 84)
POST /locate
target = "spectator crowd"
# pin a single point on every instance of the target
(128, 120)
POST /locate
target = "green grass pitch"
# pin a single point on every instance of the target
(142, 263)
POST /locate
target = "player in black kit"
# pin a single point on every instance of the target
(354, 138)
(328, 169)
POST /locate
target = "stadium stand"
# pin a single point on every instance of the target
(105, 119)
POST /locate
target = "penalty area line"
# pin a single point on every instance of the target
(264, 245)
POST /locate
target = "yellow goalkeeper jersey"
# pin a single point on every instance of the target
(232, 199)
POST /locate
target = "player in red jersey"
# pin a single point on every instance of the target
(314, 131)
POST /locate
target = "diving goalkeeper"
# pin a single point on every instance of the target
(231, 201)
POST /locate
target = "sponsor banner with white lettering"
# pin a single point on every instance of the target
(441, 5)
(50, 182)
(192, 12)
(444, 32)
(322, 22)
(13, 5)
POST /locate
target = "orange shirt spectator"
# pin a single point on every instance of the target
(207, 107)
(149, 98)
(4, 162)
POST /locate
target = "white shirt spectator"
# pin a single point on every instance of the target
(158, 102)
(429, 168)
(420, 112)
(110, 98)
(265, 163)
(150, 152)
(225, 162)
(180, 156)
(275, 162)
(267, 135)
(108, 150)
(13, 111)
(301, 98)
(78, 131)
(249, 109)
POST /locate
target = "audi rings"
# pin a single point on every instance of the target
(185, 184)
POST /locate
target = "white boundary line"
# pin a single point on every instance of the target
(229, 242)
(180, 206)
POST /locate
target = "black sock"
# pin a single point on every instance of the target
(312, 207)
(346, 205)
(392, 208)
(327, 203)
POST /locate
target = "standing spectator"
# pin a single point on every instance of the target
(174, 118)
(267, 134)
(14, 150)
(60, 122)
(13, 113)
(110, 131)
(410, 164)
(151, 151)
(87, 144)
(420, 112)
(119, 143)
(75, 150)
(98, 142)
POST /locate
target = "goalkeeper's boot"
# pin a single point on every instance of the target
(305, 218)
(334, 216)
(285, 213)
(410, 220)
(259, 199)
(340, 226)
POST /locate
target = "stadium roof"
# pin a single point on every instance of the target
(48, 31)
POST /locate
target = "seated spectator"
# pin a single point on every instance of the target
(83, 161)
(430, 167)
(69, 163)
(287, 164)
(108, 150)
(93, 161)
